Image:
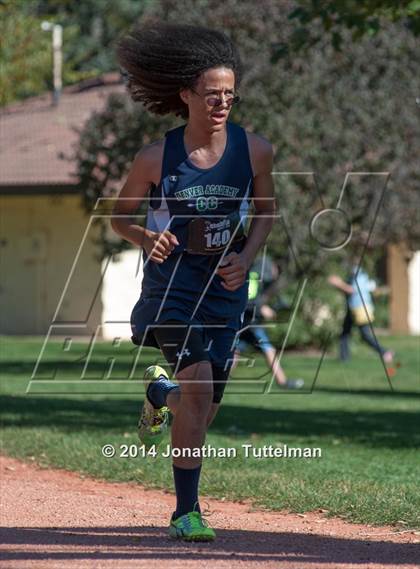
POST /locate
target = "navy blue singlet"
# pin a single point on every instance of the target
(184, 287)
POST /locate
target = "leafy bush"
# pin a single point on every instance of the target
(317, 320)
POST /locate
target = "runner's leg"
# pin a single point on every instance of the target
(370, 340)
(174, 397)
(345, 336)
(222, 342)
(185, 352)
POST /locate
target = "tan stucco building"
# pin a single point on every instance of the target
(42, 222)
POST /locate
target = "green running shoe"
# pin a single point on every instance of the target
(191, 527)
(153, 423)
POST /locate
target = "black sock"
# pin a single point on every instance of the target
(186, 488)
(158, 390)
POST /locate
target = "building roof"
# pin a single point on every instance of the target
(34, 132)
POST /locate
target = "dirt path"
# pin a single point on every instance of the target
(57, 519)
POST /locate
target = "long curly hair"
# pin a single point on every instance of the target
(157, 60)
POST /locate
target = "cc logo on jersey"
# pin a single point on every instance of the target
(203, 204)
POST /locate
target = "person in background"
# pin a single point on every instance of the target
(359, 311)
(263, 275)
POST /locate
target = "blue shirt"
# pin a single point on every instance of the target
(361, 294)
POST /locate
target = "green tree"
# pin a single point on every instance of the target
(315, 19)
(97, 22)
(89, 28)
(24, 52)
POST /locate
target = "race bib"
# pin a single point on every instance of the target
(212, 235)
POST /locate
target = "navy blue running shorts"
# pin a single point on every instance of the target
(183, 345)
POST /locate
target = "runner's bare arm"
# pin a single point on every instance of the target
(234, 273)
(339, 283)
(264, 201)
(135, 189)
(133, 192)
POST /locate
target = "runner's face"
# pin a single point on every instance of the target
(216, 83)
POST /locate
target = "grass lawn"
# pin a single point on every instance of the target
(368, 433)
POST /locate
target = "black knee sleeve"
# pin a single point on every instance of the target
(220, 377)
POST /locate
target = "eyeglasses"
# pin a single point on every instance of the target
(213, 101)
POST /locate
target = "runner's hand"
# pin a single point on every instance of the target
(233, 271)
(159, 246)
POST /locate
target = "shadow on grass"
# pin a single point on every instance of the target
(390, 429)
(237, 546)
(369, 392)
(60, 369)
